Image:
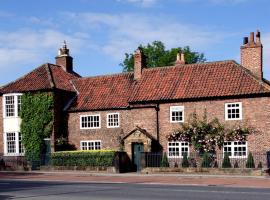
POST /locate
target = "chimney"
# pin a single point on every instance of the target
(64, 59)
(180, 58)
(252, 54)
(138, 64)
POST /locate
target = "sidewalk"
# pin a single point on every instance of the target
(137, 178)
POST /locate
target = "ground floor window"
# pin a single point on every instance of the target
(13, 144)
(91, 145)
(235, 149)
(178, 149)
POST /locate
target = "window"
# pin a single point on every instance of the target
(233, 111)
(176, 114)
(13, 144)
(178, 149)
(91, 145)
(12, 105)
(113, 120)
(235, 149)
(90, 122)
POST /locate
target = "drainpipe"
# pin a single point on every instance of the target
(157, 120)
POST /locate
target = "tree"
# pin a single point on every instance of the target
(250, 161)
(185, 162)
(164, 161)
(226, 161)
(155, 55)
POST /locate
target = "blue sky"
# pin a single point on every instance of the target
(99, 32)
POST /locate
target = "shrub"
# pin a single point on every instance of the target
(236, 165)
(206, 160)
(185, 162)
(250, 161)
(226, 161)
(260, 165)
(93, 158)
(164, 161)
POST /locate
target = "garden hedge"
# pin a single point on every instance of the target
(93, 158)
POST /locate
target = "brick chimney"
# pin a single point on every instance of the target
(64, 59)
(138, 64)
(252, 54)
(180, 58)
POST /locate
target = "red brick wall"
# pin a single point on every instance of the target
(129, 119)
(1, 127)
(256, 113)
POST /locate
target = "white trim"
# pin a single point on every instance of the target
(232, 149)
(108, 120)
(17, 146)
(179, 148)
(81, 116)
(90, 141)
(15, 95)
(177, 108)
(240, 111)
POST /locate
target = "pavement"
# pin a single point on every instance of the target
(137, 178)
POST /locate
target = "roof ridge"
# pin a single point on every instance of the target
(186, 65)
(105, 76)
(50, 77)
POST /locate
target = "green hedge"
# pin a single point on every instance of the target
(95, 158)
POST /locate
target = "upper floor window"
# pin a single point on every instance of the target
(176, 114)
(12, 105)
(178, 149)
(13, 144)
(112, 120)
(91, 145)
(235, 149)
(233, 111)
(90, 121)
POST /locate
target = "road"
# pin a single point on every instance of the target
(52, 190)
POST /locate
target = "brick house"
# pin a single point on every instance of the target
(142, 107)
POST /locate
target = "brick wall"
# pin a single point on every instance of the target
(1, 126)
(256, 112)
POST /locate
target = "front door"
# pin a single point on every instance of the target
(137, 149)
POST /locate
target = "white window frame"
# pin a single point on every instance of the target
(240, 111)
(17, 146)
(81, 116)
(88, 141)
(180, 146)
(177, 108)
(108, 126)
(15, 95)
(233, 146)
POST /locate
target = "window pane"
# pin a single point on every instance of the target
(11, 142)
(9, 106)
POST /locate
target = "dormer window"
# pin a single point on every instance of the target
(12, 105)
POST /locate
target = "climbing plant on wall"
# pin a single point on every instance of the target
(37, 122)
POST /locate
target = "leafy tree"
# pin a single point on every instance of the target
(155, 55)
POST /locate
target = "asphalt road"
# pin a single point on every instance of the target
(19, 189)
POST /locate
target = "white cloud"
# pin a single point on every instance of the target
(125, 32)
(23, 47)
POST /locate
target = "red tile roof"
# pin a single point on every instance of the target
(45, 77)
(214, 79)
(203, 80)
(103, 92)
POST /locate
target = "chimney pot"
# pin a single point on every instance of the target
(251, 38)
(63, 58)
(180, 58)
(245, 40)
(258, 37)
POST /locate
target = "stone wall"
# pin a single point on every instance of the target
(1, 127)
